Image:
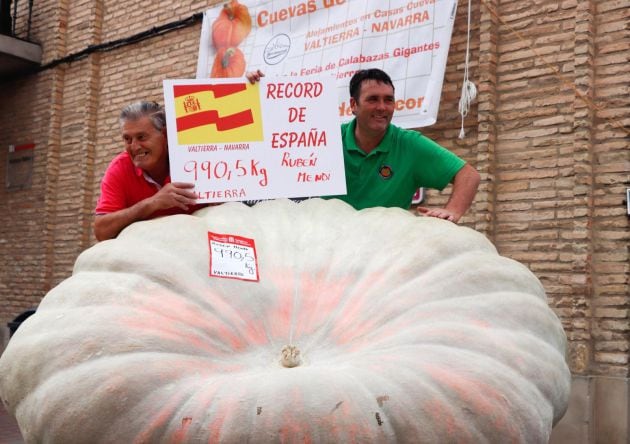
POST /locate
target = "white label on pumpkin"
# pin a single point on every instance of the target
(233, 257)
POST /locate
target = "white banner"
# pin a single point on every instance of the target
(408, 39)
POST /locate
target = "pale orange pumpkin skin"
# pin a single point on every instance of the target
(232, 25)
(411, 330)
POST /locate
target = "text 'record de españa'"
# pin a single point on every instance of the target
(408, 39)
(240, 141)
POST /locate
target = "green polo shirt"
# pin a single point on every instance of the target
(390, 174)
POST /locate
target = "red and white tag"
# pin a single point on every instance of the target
(232, 257)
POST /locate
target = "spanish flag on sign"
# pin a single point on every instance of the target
(226, 112)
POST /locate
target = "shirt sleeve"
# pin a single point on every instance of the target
(112, 196)
(435, 166)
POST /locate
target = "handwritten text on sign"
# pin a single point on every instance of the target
(232, 257)
(237, 141)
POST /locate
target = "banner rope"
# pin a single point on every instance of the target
(469, 90)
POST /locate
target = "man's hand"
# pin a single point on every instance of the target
(254, 76)
(440, 213)
(176, 194)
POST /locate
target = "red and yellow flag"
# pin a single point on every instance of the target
(226, 112)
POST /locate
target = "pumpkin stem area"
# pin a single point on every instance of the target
(290, 356)
(225, 61)
(229, 11)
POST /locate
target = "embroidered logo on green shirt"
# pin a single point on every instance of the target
(386, 172)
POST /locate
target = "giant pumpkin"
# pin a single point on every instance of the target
(365, 326)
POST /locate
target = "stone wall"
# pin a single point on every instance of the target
(548, 132)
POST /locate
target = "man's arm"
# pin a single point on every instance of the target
(178, 194)
(465, 184)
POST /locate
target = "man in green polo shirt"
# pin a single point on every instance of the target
(385, 164)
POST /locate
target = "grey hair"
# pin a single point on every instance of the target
(153, 110)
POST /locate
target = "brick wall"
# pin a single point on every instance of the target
(610, 156)
(547, 135)
(546, 132)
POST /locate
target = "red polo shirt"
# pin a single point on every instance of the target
(124, 185)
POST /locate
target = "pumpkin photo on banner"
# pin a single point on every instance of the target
(371, 326)
(229, 62)
(228, 31)
(231, 26)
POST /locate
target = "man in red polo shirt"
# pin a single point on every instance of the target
(137, 183)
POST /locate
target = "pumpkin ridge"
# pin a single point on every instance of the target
(192, 287)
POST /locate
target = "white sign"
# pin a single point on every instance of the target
(237, 141)
(233, 257)
(408, 39)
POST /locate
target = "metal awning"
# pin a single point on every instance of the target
(18, 56)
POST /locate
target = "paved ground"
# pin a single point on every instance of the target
(9, 432)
